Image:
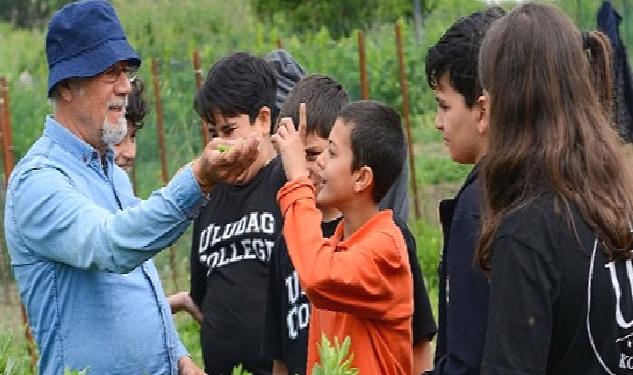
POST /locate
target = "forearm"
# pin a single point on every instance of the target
(58, 222)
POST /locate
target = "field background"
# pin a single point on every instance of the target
(322, 36)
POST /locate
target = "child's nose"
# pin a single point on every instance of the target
(320, 160)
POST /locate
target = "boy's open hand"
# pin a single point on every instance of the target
(290, 144)
(224, 160)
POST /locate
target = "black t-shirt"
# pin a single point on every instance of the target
(557, 305)
(233, 238)
(288, 309)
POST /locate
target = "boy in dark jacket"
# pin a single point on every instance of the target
(451, 69)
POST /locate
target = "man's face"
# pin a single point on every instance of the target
(462, 127)
(125, 151)
(336, 175)
(100, 99)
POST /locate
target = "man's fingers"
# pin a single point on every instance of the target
(303, 120)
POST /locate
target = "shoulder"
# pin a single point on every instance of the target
(534, 217)
(544, 225)
(386, 239)
(469, 197)
(402, 225)
(275, 172)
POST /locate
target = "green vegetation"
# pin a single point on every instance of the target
(335, 360)
(320, 39)
(237, 370)
(12, 362)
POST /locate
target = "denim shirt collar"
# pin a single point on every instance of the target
(73, 144)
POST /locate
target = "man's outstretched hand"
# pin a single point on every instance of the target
(224, 160)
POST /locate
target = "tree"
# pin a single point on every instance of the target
(29, 13)
(340, 17)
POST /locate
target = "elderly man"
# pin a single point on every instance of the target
(79, 241)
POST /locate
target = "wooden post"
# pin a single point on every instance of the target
(4, 262)
(7, 136)
(362, 61)
(163, 158)
(7, 151)
(197, 72)
(280, 45)
(404, 86)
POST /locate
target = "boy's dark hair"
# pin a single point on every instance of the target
(136, 108)
(377, 141)
(324, 98)
(237, 84)
(457, 53)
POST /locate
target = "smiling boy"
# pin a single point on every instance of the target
(358, 281)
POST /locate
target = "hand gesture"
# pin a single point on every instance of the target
(225, 160)
(290, 144)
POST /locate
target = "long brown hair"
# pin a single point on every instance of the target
(550, 127)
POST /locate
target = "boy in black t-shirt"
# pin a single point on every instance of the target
(234, 234)
(288, 309)
(451, 69)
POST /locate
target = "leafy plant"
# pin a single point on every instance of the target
(335, 360)
(11, 364)
(238, 370)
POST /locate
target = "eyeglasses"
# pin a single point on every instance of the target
(113, 73)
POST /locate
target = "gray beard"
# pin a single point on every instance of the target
(114, 133)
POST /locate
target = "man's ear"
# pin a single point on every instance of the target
(364, 179)
(264, 119)
(64, 92)
(483, 106)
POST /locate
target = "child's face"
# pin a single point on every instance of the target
(125, 151)
(463, 128)
(337, 177)
(239, 126)
(314, 147)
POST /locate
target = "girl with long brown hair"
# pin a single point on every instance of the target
(558, 202)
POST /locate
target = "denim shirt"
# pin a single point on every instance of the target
(80, 246)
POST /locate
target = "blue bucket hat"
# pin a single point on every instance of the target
(84, 39)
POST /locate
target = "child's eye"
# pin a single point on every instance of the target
(227, 130)
(312, 155)
(443, 107)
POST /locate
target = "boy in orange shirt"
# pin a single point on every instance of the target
(359, 280)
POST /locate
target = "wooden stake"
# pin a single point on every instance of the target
(7, 152)
(404, 86)
(197, 73)
(364, 86)
(163, 158)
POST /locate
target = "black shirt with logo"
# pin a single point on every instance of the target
(557, 304)
(288, 308)
(233, 238)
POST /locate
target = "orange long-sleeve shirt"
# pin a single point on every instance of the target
(359, 287)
